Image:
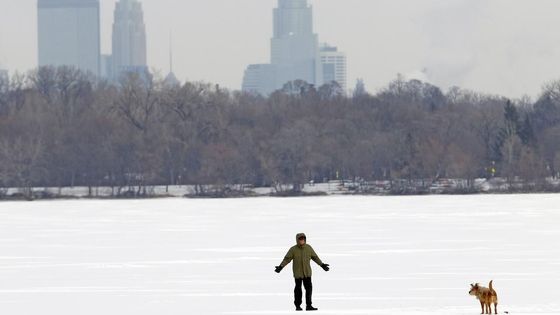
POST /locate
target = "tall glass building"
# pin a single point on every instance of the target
(68, 33)
(294, 46)
(295, 51)
(129, 38)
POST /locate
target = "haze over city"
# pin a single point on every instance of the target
(497, 46)
(159, 156)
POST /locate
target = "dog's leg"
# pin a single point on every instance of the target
(496, 307)
(482, 305)
(488, 309)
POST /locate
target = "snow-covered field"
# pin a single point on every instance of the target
(389, 255)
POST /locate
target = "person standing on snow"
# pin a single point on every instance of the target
(302, 254)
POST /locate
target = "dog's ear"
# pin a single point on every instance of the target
(472, 285)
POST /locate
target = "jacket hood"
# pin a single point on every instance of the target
(299, 235)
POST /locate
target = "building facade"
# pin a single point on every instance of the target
(334, 66)
(259, 79)
(294, 46)
(106, 71)
(129, 38)
(294, 53)
(68, 34)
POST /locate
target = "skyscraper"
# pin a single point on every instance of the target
(294, 51)
(294, 46)
(129, 38)
(334, 66)
(68, 33)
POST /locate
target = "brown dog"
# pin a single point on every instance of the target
(486, 296)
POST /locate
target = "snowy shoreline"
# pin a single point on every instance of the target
(332, 188)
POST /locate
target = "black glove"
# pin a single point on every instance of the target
(325, 267)
(278, 269)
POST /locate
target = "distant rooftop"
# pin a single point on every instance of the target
(328, 48)
(292, 4)
(171, 80)
(67, 3)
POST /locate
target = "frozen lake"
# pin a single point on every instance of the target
(404, 255)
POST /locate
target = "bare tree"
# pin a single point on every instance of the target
(61, 127)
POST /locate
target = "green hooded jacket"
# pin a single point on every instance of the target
(301, 256)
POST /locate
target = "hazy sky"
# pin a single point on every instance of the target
(508, 47)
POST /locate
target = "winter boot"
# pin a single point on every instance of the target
(298, 308)
(311, 308)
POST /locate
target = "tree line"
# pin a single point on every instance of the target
(60, 127)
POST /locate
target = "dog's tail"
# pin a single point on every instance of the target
(492, 288)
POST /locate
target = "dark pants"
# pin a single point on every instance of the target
(298, 294)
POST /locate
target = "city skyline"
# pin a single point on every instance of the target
(294, 51)
(489, 46)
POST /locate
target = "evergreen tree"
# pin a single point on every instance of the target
(527, 133)
(360, 89)
(507, 133)
(512, 121)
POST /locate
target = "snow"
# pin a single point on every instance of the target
(405, 255)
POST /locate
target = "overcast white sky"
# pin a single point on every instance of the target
(508, 47)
